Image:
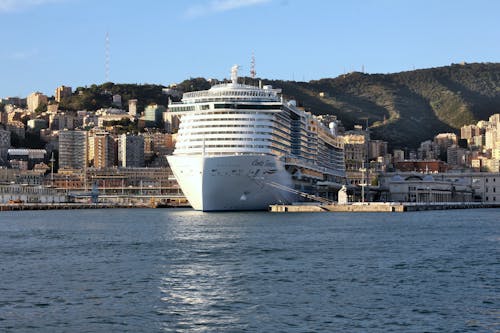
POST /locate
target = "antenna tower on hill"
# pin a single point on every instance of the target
(106, 60)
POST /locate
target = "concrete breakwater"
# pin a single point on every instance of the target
(372, 207)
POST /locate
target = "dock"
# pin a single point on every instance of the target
(381, 207)
(78, 205)
(66, 205)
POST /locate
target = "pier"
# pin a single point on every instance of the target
(84, 205)
(381, 207)
(65, 205)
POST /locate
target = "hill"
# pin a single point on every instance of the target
(405, 108)
(402, 108)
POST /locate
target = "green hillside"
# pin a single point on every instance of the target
(409, 107)
(402, 108)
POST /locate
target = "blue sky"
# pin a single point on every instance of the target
(47, 43)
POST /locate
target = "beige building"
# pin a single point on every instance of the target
(457, 186)
(105, 150)
(355, 150)
(62, 92)
(377, 148)
(35, 100)
(467, 132)
(132, 107)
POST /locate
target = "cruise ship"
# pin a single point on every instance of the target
(241, 147)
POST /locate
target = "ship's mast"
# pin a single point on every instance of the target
(253, 73)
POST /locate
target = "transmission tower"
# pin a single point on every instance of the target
(106, 60)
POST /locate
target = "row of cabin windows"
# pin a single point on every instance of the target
(223, 132)
(225, 146)
(247, 106)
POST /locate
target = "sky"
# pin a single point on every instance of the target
(48, 43)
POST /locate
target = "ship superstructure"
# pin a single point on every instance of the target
(241, 147)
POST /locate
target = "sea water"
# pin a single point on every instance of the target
(172, 270)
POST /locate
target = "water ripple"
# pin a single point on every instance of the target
(185, 271)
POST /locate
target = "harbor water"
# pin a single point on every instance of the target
(178, 270)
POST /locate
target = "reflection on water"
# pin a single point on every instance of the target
(198, 292)
(186, 271)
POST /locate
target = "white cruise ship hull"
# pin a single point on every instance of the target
(235, 182)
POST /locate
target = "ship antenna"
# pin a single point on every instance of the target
(253, 73)
(234, 74)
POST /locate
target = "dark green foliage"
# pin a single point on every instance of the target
(96, 97)
(405, 108)
(402, 108)
(195, 84)
(41, 108)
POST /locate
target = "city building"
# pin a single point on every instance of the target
(131, 151)
(4, 146)
(61, 121)
(484, 186)
(157, 146)
(72, 149)
(132, 107)
(444, 141)
(14, 114)
(15, 101)
(142, 181)
(37, 124)
(433, 166)
(428, 150)
(105, 120)
(171, 122)
(377, 148)
(35, 100)
(104, 150)
(425, 188)
(398, 155)
(30, 194)
(117, 100)
(62, 92)
(25, 159)
(356, 151)
(467, 132)
(153, 115)
(457, 157)
(4, 117)
(52, 108)
(17, 128)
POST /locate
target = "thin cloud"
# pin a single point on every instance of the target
(23, 55)
(16, 5)
(218, 6)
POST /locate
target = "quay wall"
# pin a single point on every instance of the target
(374, 207)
